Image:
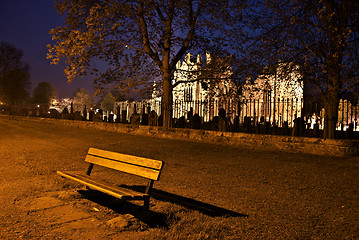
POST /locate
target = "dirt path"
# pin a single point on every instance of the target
(275, 195)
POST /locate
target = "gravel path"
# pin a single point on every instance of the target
(275, 195)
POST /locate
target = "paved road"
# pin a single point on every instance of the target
(274, 195)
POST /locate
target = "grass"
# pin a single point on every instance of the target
(181, 223)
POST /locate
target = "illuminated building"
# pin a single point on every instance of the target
(275, 97)
(195, 93)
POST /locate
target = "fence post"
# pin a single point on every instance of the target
(289, 117)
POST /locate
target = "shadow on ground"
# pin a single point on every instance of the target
(189, 203)
(151, 218)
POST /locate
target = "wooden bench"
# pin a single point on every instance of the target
(147, 168)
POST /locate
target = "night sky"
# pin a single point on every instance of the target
(26, 24)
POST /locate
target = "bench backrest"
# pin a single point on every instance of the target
(143, 167)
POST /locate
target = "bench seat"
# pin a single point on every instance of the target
(118, 192)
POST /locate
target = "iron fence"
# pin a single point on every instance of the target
(281, 113)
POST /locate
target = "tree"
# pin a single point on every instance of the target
(14, 75)
(61, 104)
(119, 97)
(81, 99)
(44, 93)
(140, 40)
(108, 102)
(321, 37)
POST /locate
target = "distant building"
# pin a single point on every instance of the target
(194, 92)
(275, 97)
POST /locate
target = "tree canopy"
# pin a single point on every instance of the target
(14, 75)
(131, 43)
(44, 93)
(81, 99)
(108, 102)
(321, 37)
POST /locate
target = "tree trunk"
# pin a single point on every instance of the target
(331, 103)
(331, 96)
(167, 100)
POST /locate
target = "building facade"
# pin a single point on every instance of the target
(195, 93)
(275, 97)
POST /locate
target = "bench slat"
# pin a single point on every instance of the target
(124, 167)
(138, 161)
(143, 167)
(118, 192)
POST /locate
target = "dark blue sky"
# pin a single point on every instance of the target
(26, 25)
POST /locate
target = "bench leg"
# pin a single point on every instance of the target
(146, 204)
